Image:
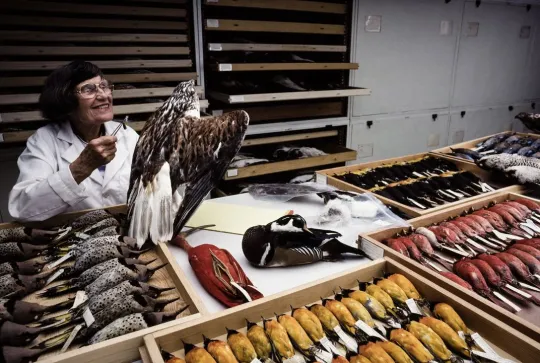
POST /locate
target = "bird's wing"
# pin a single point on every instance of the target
(210, 145)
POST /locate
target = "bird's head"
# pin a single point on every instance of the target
(290, 223)
(184, 101)
(257, 247)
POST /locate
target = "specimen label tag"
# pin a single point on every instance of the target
(256, 360)
(82, 235)
(234, 99)
(225, 67)
(368, 330)
(232, 172)
(327, 344)
(295, 359)
(215, 47)
(80, 298)
(56, 275)
(321, 179)
(413, 307)
(349, 342)
(461, 334)
(483, 344)
(66, 257)
(88, 317)
(212, 23)
(71, 337)
(494, 358)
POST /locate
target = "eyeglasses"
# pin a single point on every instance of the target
(90, 90)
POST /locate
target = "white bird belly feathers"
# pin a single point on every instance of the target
(178, 160)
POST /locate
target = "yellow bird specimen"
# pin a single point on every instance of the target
(411, 345)
(260, 341)
(375, 353)
(220, 351)
(311, 324)
(405, 285)
(279, 338)
(241, 346)
(358, 311)
(297, 334)
(359, 359)
(197, 355)
(392, 289)
(430, 339)
(449, 335)
(339, 359)
(447, 314)
(380, 295)
(394, 351)
(342, 314)
(325, 316)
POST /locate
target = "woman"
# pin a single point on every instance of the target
(75, 162)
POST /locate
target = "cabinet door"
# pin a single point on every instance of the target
(532, 75)
(408, 64)
(477, 123)
(397, 136)
(492, 63)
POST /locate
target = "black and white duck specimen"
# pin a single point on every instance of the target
(288, 241)
(178, 160)
(530, 120)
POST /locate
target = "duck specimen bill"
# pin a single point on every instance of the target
(288, 241)
(218, 272)
(179, 158)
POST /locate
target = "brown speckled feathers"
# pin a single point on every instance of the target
(178, 160)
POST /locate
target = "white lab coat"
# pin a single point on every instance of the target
(46, 187)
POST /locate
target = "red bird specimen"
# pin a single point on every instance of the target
(218, 272)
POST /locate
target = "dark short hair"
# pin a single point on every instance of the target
(58, 98)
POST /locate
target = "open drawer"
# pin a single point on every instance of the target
(527, 320)
(335, 155)
(471, 144)
(333, 177)
(505, 341)
(123, 348)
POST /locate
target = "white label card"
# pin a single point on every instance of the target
(71, 337)
(212, 23)
(327, 344)
(321, 179)
(56, 275)
(347, 340)
(483, 344)
(235, 99)
(88, 317)
(256, 360)
(215, 47)
(225, 67)
(66, 257)
(368, 330)
(413, 307)
(80, 298)
(232, 172)
(372, 251)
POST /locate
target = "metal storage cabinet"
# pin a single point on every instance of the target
(492, 66)
(391, 136)
(409, 63)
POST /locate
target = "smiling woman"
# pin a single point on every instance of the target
(78, 161)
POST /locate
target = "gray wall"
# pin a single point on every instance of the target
(415, 71)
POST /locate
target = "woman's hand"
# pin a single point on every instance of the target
(98, 152)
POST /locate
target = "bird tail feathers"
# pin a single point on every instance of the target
(334, 249)
(161, 226)
(141, 213)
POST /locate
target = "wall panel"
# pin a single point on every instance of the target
(409, 63)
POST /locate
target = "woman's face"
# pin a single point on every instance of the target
(94, 108)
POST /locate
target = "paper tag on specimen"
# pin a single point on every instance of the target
(413, 307)
(88, 317)
(72, 336)
(372, 250)
(80, 298)
(347, 340)
(368, 330)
